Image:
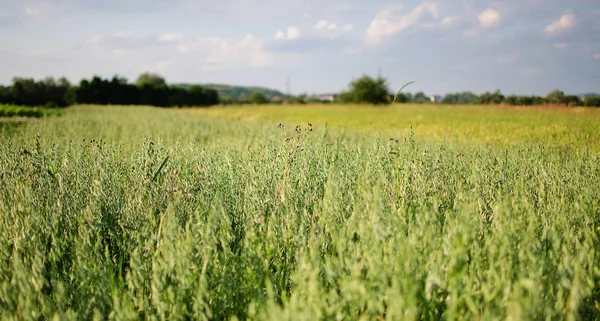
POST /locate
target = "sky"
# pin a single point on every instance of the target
(518, 46)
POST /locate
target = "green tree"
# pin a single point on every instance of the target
(257, 97)
(367, 90)
(555, 97)
(401, 98)
(151, 80)
(300, 100)
(593, 101)
(491, 98)
(572, 100)
(466, 97)
(512, 100)
(420, 97)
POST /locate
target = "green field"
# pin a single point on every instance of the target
(140, 213)
(483, 125)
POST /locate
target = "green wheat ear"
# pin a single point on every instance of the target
(398, 93)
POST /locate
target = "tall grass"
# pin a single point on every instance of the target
(134, 213)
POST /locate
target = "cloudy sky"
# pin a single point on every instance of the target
(517, 46)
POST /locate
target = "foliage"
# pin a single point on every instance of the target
(555, 97)
(419, 97)
(152, 80)
(148, 214)
(491, 98)
(593, 101)
(300, 100)
(230, 94)
(367, 90)
(460, 98)
(150, 89)
(258, 97)
(28, 92)
(401, 98)
(22, 111)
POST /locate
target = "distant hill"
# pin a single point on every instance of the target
(236, 93)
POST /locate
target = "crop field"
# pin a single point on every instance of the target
(483, 125)
(301, 213)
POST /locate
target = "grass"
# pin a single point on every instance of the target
(23, 111)
(12, 117)
(483, 125)
(134, 213)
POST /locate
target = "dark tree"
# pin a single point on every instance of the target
(367, 90)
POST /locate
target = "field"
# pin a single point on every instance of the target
(482, 125)
(265, 213)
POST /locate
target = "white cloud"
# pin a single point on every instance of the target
(489, 18)
(386, 24)
(293, 32)
(330, 29)
(223, 53)
(565, 23)
(118, 52)
(448, 21)
(321, 24)
(170, 37)
(325, 24)
(561, 45)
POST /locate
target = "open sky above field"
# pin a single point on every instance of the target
(520, 47)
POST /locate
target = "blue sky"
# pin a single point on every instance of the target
(517, 46)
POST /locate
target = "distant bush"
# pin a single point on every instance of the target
(593, 101)
(21, 111)
(258, 98)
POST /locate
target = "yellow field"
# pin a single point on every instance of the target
(500, 126)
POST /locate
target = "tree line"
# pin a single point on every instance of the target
(152, 89)
(149, 89)
(371, 90)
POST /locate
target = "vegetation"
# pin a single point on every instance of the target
(258, 97)
(230, 94)
(135, 213)
(367, 90)
(460, 98)
(150, 89)
(464, 124)
(22, 111)
(46, 92)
